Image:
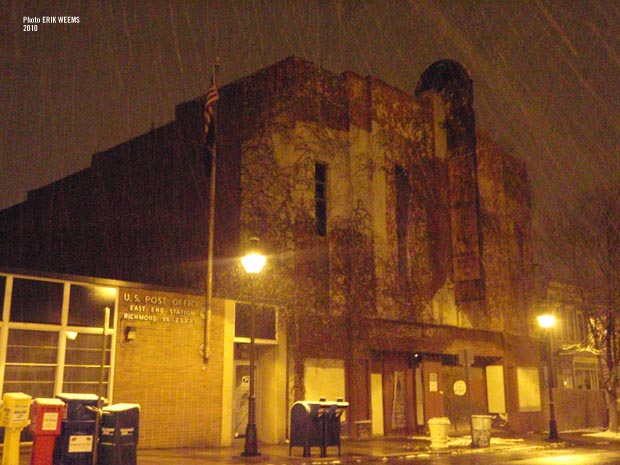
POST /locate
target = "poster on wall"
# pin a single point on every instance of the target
(432, 382)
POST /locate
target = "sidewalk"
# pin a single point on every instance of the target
(352, 451)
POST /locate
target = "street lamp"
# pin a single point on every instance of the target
(253, 263)
(547, 322)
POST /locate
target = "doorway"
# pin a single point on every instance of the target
(398, 395)
(241, 388)
(241, 396)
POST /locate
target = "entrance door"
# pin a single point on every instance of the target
(398, 395)
(241, 395)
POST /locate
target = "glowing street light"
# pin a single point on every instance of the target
(547, 322)
(253, 263)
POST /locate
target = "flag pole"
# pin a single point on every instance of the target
(209, 283)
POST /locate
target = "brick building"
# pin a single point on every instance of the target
(398, 237)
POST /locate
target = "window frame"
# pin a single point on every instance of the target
(62, 330)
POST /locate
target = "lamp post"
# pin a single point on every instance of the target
(547, 322)
(253, 263)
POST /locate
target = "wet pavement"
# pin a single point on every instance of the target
(352, 451)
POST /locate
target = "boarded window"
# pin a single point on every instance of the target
(496, 398)
(324, 378)
(528, 384)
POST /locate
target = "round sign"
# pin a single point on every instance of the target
(459, 388)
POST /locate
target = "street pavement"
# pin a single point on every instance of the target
(352, 451)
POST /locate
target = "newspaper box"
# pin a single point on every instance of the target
(45, 424)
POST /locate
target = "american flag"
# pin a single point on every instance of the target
(209, 117)
(209, 110)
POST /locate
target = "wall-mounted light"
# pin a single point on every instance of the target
(130, 333)
(71, 335)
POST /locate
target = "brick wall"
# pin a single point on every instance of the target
(163, 370)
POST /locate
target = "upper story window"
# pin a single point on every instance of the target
(266, 327)
(572, 326)
(320, 197)
(36, 301)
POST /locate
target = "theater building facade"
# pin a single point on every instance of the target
(398, 242)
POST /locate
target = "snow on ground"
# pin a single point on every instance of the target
(605, 435)
(465, 441)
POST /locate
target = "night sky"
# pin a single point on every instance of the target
(546, 74)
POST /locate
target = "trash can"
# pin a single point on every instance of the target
(438, 428)
(307, 426)
(74, 445)
(333, 425)
(481, 430)
(118, 435)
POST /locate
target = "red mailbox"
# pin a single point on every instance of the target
(45, 421)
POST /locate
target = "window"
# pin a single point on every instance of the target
(324, 378)
(572, 325)
(87, 304)
(36, 301)
(585, 374)
(52, 340)
(83, 362)
(2, 287)
(565, 378)
(266, 327)
(402, 220)
(528, 386)
(320, 197)
(582, 327)
(31, 362)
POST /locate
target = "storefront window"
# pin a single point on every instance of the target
(83, 360)
(36, 301)
(31, 362)
(87, 304)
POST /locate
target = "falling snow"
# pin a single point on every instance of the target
(545, 73)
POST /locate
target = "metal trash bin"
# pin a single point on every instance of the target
(74, 445)
(333, 425)
(118, 435)
(481, 430)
